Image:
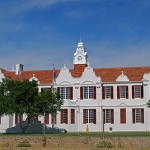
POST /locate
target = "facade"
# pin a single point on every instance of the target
(104, 99)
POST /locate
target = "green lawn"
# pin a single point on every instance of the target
(90, 134)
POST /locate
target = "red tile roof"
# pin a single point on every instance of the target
(111, 74)
(43, 76)
(4, 71)
(106, 74)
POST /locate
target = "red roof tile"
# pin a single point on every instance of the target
(106, 74)
(111, 74)
(43, 76)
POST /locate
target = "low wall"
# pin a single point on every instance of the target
(122, 142)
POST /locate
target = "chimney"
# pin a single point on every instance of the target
(19, 68)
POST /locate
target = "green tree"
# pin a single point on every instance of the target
(21, 97)
(18, 97)
(48, 103)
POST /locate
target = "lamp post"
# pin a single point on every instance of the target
(78, 108)
(145, 95)
(102, 112)
(44, 127)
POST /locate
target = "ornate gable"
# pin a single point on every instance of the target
(64, 76)
(122, 77)
(89, 76)
(34, 78)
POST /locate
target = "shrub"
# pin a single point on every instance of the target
(103, 144)
(6, 145)
(23, 143)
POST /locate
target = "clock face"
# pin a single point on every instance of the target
(79, 58)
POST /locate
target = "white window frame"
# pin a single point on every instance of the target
(88, 92)
(138, 114)
(65, 92)
(107, 115)
(89, 115)
(122, 92)
(107, 92)
(137, 91)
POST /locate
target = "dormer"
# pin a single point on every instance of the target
(34, 78)
(122, 78)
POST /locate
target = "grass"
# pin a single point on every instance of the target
(90, 134)
(65, 148)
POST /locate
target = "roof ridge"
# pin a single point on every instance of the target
(124, 67)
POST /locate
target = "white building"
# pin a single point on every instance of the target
(104, 99)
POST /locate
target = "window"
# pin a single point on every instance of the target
(138, 115)
(122, 92)
(47, 118)
(89, 116)
(108, 116)
(122, 115)
(137, 91)
(88, 92)
(18, 118)
(53, 119)
(66, 92)
(72, 116)
(107, 92)
(36, 117)
(64, 116)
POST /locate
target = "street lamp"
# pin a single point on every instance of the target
(145, 83)
(78, 107)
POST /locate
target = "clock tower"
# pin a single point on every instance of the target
(80, 59)
(80, 56)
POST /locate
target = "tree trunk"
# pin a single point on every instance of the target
(24, 125)
(52, 120)
(44, 137)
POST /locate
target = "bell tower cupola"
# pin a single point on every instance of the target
(80, 56)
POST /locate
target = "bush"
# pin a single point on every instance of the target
(23, 143)
(103, 144)
(6, 145)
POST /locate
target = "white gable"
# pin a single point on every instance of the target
(89, 76)
(122, 77)
(64, 76)
(34, 78)
(1, 76)
(146, 76)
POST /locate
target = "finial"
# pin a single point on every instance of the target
(80, 36)
(64, 66)
(122, 72)
(33, 75)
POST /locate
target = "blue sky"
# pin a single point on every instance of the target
(40, 33)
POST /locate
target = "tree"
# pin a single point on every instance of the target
(49, 103)
(18, 97)
(21, 97)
